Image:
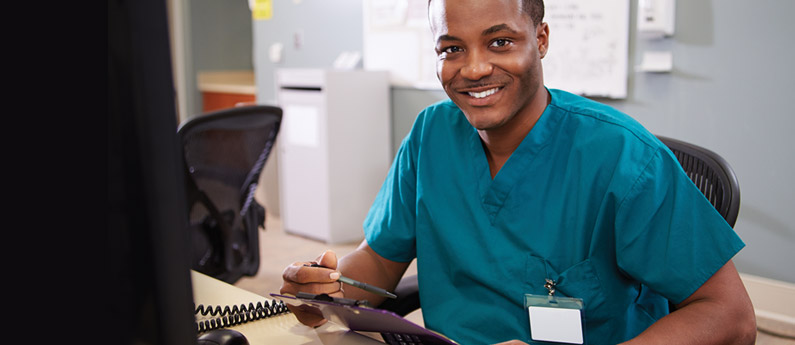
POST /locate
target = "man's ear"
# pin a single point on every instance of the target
(542, 38)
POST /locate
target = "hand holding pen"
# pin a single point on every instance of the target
(364, 286)
(323, 278)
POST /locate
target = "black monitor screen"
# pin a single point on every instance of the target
(147, 238)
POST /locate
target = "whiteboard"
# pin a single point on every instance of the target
(397, 38)
(588, 47)
(588, 51)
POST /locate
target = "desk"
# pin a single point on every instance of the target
(282, 329)
(226, 89)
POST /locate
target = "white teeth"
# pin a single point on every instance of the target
(484, 93)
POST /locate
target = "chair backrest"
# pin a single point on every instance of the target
(224, 154)
(711, 174)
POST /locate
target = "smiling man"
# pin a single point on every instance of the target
(498, 81)
(509, 191)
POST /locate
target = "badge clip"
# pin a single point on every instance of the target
(554, 318)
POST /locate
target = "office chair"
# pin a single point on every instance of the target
(712, 174)
(224, 154)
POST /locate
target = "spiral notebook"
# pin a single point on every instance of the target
(357, 317)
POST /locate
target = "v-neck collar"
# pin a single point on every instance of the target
(494, 192)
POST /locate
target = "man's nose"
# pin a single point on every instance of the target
(477, 67)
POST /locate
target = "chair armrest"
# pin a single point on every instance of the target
(408, 297)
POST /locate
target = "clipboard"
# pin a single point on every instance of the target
(358, 316)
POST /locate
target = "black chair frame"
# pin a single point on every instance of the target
(711, 174)
(224, 153)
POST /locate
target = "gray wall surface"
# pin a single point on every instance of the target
(729, 92)
(220, 37)
(313, 33)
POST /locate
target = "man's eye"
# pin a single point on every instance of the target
(452, 49)
(500, 43)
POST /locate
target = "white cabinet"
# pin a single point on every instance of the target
(334, 150)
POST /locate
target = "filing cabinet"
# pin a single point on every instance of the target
(334, 149)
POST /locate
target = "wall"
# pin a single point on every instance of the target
(728, 92)
(213, 35)
(313, 33)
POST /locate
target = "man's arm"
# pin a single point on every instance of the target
(367, 266)
(363, 264)
(719, 312)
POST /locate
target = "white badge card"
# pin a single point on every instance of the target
(555, 319)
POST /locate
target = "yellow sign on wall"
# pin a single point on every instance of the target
(262, 9)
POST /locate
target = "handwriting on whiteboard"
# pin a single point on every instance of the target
(587, 54)
(588, 49)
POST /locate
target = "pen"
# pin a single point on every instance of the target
(364, 286)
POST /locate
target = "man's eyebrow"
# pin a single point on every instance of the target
(447, 38)
(497, 28)
(489, 31)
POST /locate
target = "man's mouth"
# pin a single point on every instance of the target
(485, 93)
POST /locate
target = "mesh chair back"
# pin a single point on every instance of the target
(712, 175)
(224, 153)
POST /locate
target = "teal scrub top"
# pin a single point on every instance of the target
(589, 199)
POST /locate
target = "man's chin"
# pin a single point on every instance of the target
(482, 122)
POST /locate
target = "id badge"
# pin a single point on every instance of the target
(555, 319)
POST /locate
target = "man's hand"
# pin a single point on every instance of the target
(299, 277)
(363, 264)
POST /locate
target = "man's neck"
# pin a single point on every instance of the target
(500, 143)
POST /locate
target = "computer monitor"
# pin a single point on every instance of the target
(148, 261)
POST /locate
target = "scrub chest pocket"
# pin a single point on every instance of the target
(578, 281)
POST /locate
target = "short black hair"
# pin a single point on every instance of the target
(534, 9)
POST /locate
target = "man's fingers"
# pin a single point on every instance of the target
(307, 315)
(302, 273)
(315, 280)
(313, 288)
(328, 259)
(321, 279)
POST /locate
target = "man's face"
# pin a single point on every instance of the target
(489, 58)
